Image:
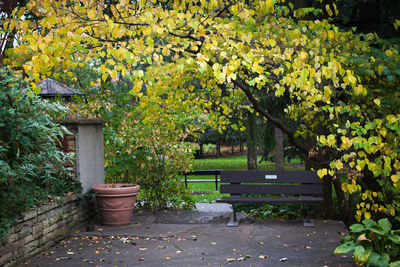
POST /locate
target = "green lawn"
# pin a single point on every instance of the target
(205, 192)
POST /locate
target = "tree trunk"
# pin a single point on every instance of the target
(326, 187)
(279, 156)
(201, 151)
(218, 152)
(241, 150)
(345, 213)
(251, 141)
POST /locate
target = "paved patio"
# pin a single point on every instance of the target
(200, 238)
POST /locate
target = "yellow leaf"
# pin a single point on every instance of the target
(259, 69)
(351, 188)
(339, 165)
(344, 187)
(322, 172)
(91, 14)
(377, 102)
(272, 42)
(395, 177)
(329, 10)
(381, 69)
(269, 5)
(113, 74)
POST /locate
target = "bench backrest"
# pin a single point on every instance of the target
(271, 182)
(203, 172)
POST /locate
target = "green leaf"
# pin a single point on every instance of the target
(395, 264)
(385, 224)
(378, 231)
(361, 255)
(344, 248)
(357, 228)
(346, 239)
(369, 223)
(378, 260)
(395, 239)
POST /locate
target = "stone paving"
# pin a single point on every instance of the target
(200, 238)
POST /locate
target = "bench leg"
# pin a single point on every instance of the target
(234, 222)
(308, 221)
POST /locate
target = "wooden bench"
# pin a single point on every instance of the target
(281, 187)
(216, 173)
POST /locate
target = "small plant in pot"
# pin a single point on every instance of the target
(115, 202)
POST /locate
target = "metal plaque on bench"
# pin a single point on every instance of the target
(271, 177)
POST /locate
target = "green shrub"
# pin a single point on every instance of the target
(142, 147)
(31, 164)
(374, 243)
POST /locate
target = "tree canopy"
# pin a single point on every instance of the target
(189, 58)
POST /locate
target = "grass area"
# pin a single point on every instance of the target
(228, 163)
(205, 192)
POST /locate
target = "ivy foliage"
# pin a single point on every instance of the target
(31, 164)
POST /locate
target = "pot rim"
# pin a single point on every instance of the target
(116, 188)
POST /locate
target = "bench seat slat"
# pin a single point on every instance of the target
(239, 199)
(260, 177)
(310, 189)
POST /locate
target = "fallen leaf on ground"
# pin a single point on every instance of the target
(261, 243)
(213, 243)
(307, 247)
(240, 259)
(235, 250)
(168, 258)
(283, 259)
(230, 259)
(117, 252)
(124, 240)
(141, 259)
(178, 251)
(62, 258)
(142, 249)
(248, 256)
(70, 252)
(160, 247)
(263, 256)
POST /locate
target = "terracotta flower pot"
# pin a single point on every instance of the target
(115, 202)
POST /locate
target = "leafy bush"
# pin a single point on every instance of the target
(286, 211)
(151, 157)
(31, 164)
(141, 146)
(374, 243)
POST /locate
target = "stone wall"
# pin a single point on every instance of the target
(40, 228)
